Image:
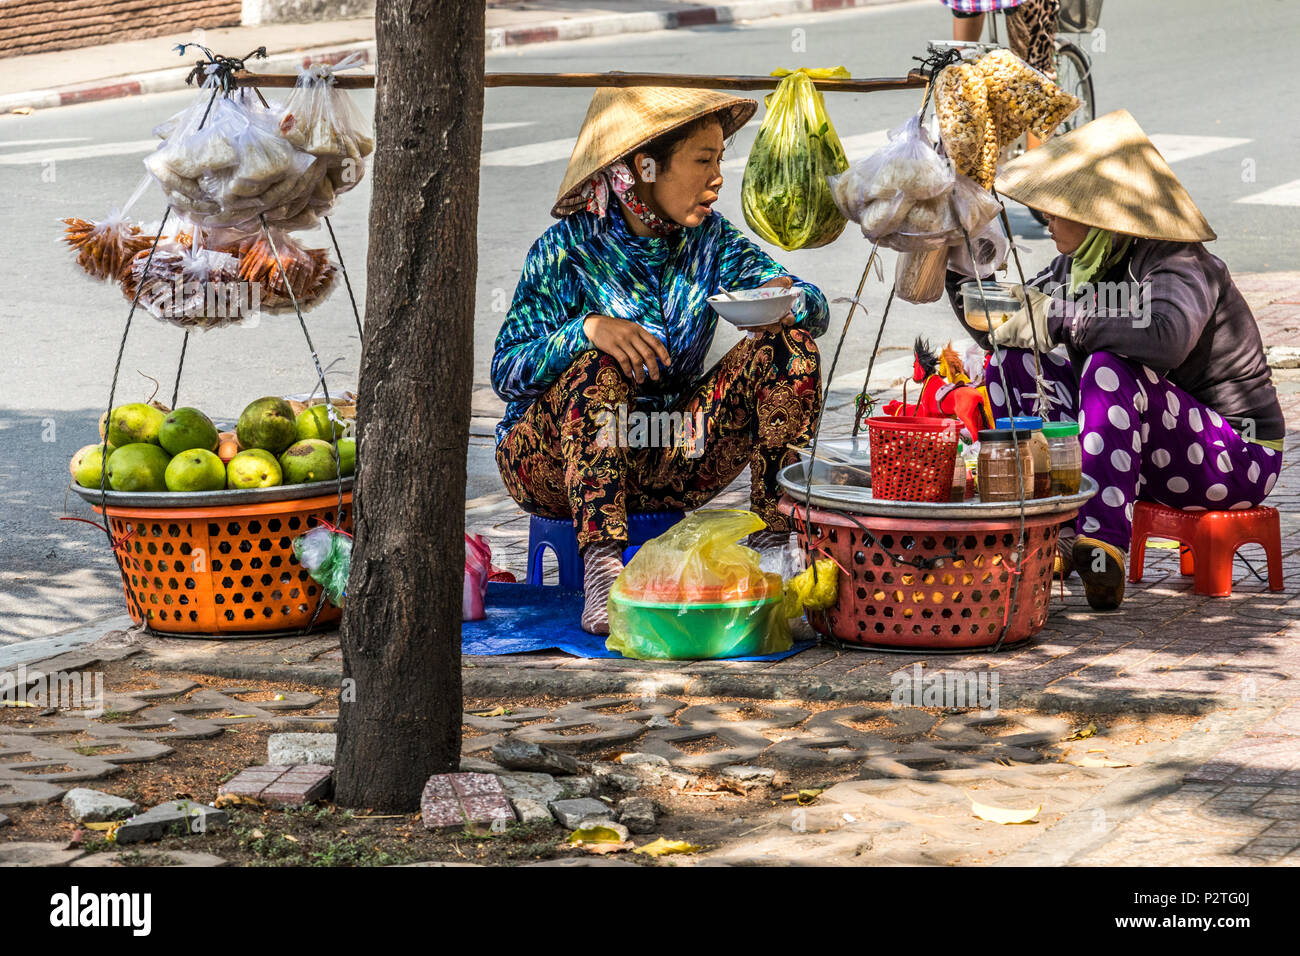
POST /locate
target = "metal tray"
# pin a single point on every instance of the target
(859, 501)
(211, 499)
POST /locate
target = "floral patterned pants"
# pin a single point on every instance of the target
(581, 451)
(1143, 438)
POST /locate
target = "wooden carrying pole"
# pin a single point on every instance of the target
(913, 80)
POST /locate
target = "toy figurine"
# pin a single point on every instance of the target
(945, 391)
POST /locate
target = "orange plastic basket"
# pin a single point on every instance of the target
(224, 571)
(912, 458)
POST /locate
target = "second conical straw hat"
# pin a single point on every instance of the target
(620, 119)
(1107, 174)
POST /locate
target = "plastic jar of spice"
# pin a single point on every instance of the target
(1038, 451)
(1002, 458)
(958, 477)
(1067, 456)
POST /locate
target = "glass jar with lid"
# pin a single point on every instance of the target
(1038, 451)
(1005, 465)
(1066, 455)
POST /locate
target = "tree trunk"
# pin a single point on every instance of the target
(400, 702)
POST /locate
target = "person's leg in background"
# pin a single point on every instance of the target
(1031, 35)
(967, 27)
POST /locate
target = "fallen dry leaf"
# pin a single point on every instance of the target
(494, 712)
(235, 800)
(1099, 762)
(1003, 815)
(596, 834)
(1083, 733)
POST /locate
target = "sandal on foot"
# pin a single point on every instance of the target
(601, 565)
(1101, 568)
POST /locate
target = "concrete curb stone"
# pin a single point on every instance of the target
(496, 40)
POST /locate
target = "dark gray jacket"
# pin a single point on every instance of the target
(1190, 323)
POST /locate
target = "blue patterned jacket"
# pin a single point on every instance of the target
(585, 264)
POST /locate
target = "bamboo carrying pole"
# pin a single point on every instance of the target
(913, 80)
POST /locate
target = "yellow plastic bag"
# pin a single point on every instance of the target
(785, 195)
(806, 592)
(696, 593)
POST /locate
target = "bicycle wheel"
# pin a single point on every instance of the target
(1074, 75)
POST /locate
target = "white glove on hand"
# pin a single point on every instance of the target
(1018, 332)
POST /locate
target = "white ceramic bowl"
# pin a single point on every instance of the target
(753, 307)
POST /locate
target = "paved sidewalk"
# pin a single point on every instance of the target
(62, 78)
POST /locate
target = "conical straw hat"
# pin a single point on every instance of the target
(1107, 174)
(620, 119)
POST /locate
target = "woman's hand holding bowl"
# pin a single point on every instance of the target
(787, 320)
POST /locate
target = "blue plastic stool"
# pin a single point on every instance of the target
(558, 535)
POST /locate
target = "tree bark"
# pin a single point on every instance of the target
(400, 702)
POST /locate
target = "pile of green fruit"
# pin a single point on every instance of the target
(150, 449)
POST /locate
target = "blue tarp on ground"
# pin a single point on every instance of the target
(526, 617)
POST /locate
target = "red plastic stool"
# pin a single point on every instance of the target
(1212, 539)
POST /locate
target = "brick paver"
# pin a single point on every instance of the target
(464, 799)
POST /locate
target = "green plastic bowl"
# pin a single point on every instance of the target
(648, 630)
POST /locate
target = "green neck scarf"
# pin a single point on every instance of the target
(1095, 256)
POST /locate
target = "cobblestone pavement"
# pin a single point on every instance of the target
(1227, 791)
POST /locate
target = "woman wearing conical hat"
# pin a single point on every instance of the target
(610, 319)
(1162, 366)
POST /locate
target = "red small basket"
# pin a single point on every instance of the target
(912, 458)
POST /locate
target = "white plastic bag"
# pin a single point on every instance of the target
(991, 248)
(322, 121)
(882, 191)
(224, 162)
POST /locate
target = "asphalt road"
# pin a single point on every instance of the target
(1205, 83)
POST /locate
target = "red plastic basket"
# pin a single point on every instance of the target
(961, 603)
(912, 458)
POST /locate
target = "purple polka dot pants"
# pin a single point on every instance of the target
(1143, 439)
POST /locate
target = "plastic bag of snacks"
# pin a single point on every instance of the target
(991, 248)
(320, 119)
(785, 194)
(901, 188)
(106, 247)
(696, 593)
(961, 104)
(310, 272)
(1022, 98)
(975, 207)
(225, 163)
(190, 287)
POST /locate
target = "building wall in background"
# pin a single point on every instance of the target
(39, 26)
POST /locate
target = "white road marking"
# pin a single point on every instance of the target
(856, 147)
(883, 374)
(5, 144)
(1288, 194)
(534, 154)
(1175, 148)
(493, 127)
(33, 156)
